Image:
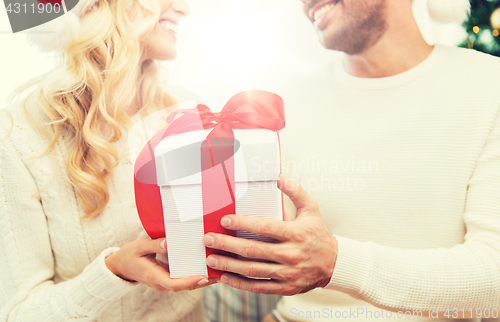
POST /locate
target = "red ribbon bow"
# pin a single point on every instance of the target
(52, 2)
(247, 110)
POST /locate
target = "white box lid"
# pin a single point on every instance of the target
(256, 157)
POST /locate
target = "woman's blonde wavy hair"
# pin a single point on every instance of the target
(91, 94)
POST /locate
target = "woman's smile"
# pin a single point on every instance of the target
(169, 25)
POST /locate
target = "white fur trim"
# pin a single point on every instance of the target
(55, 35)
(446, 11)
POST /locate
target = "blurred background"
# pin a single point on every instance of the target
(227, 46)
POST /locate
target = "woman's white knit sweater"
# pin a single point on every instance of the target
(52, 264)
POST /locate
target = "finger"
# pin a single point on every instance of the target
(151, 246)
(163, 265)
(187, 283)
(273, 228)
(296, 193)
(158, 288)
(244, 267)
(188, 286)
(257, 286)
(163, 257)
(287, 216)
(240, 246)
(213, 280)
(160, 276)
(155, 274)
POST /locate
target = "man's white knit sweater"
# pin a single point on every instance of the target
(406, 171)
(51, 263)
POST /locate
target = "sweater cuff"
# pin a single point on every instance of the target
(353, 266)
(98, 285)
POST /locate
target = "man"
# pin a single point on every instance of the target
(401, 157)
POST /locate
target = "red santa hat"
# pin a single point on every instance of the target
(63, 30)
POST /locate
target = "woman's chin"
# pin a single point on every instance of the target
(163, 56)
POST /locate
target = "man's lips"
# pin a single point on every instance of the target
(320, 9)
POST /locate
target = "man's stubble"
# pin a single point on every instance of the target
(363, 24)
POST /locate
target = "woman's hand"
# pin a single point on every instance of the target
(136, 261)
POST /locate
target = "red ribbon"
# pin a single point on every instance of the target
(52, 2)
(247, 110)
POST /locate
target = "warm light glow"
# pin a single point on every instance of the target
(273, 43)
(475, 29)
(496, 33)
(241, 39)
(228, 46)
(495, 19)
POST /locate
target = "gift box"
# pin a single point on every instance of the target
(206, 165)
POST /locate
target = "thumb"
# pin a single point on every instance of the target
(294, 190)
(287, 216)
(152, 246)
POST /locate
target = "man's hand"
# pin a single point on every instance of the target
(304, 257)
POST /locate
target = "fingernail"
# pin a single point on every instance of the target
(225, 222)
(163, 244)
(208, 240)
(203, 282)
(219, 281)
(224, 279)
(212, 262)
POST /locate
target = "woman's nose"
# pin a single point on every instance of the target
(181, 7)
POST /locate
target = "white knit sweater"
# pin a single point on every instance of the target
(51, 264)
(406, 171)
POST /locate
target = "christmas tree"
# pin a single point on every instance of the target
(483, 27)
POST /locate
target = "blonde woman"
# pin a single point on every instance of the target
(71, 243)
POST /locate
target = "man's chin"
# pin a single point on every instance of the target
(331, 42)
(338, 46)
(344, 44)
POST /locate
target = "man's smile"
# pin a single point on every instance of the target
(322, 11)
(319, 10)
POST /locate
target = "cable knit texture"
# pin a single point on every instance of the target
(406, 171)
(52, 264)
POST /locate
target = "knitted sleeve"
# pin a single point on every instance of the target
(28, 292)
(466, 276)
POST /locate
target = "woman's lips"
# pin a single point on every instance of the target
(168, 25)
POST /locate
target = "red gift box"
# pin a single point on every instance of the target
(193, 172)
